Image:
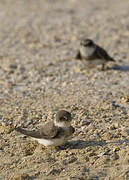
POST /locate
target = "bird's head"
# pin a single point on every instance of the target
(86, 42)
(63, 118)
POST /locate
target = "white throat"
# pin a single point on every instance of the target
(61, 124)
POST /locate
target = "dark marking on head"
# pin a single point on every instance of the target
(63, 116)
(86, 42)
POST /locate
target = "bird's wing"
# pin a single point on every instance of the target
(103, 54)
(49, 130)
(65, 132)
(78, 55)
(35, 134)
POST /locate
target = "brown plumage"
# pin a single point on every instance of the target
(52, 133)
(93, 53)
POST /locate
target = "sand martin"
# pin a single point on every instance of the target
(52, 133)
(93, 54)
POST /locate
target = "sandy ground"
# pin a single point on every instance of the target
(39, 76)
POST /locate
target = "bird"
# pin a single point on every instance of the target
(93, 54)
(53, 133)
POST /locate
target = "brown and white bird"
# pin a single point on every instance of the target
(93, 54)
(52, 133)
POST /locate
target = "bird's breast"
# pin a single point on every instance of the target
(87, 52)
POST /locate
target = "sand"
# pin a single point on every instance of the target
(39, 76)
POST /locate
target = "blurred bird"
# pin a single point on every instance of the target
(52, 133)
(93, 54)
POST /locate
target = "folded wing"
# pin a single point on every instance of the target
(103, 54)
(48, 131)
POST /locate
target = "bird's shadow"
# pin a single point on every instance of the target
(124, 68)
(81, 144)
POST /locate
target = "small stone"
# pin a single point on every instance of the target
(92, 154)
(116, 125)
(125, 98)
(104, 153)
(116, 149)
(54, 171)
(21, 177)
(13, 66)
(86, 122)
(112, 127)
(125, 132)
(115, 156)
(69, 161)
(90, 127)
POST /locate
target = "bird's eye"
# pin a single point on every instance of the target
(63, 119)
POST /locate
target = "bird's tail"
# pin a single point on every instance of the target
(111, 59)
(27, 132)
